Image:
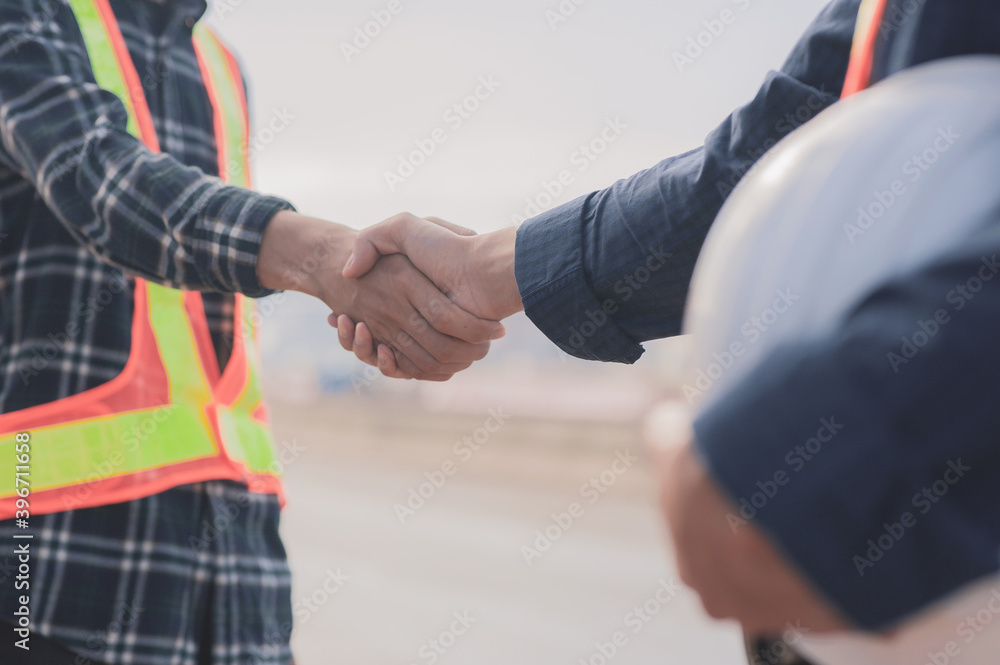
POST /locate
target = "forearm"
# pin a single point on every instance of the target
(297, 251)
(148, 214)
(610, 270)
(493, 265)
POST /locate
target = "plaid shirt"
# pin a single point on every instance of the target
(197, 573)
(192, 576)
(83, 204)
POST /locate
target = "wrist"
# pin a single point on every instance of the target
(494, 257)
(296, 252)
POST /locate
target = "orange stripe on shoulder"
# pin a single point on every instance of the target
(859, 71)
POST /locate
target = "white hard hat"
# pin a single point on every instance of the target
(880, 184)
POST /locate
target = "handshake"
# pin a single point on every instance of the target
(418, 298)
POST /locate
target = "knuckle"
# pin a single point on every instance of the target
(400, 218)
(436, 314)
(401, 282)
(418, 324)
(444, 349)
(403, 342)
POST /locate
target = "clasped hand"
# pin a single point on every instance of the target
(428, 295)
(474, 273)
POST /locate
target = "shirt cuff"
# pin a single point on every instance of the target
(555, 292)
(228, 237)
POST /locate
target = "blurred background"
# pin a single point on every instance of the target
(508, 515)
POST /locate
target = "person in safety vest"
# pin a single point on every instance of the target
(140, 486)
(827, 549)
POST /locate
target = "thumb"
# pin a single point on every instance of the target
(371, 244)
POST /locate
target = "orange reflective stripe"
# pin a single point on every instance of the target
(110, 397)
(194, 306)
(859, 71)
(225, 85)
(95, 448)
(101, 32)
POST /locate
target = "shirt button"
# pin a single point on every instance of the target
(189, 22)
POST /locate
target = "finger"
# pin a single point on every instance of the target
(454, 228)
(395, 365)
(447, 318)
(345, 330)
(364, 345)
(387, 361)
(401, 234)
(408, 349)
(444, 349)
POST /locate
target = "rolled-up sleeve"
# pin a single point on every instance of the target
(146, 213)
(610, 270)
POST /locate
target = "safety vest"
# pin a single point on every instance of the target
(859, 71)
(169, 418)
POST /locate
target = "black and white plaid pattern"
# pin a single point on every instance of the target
(193, 576)
(82, 203)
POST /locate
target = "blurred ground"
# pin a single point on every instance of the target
(370, 589)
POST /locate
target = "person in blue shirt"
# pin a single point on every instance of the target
(612, 269)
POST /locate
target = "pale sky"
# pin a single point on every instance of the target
(555, 89)
(611, 59)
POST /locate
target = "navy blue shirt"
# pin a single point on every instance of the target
(578, 265)
(603, 273)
